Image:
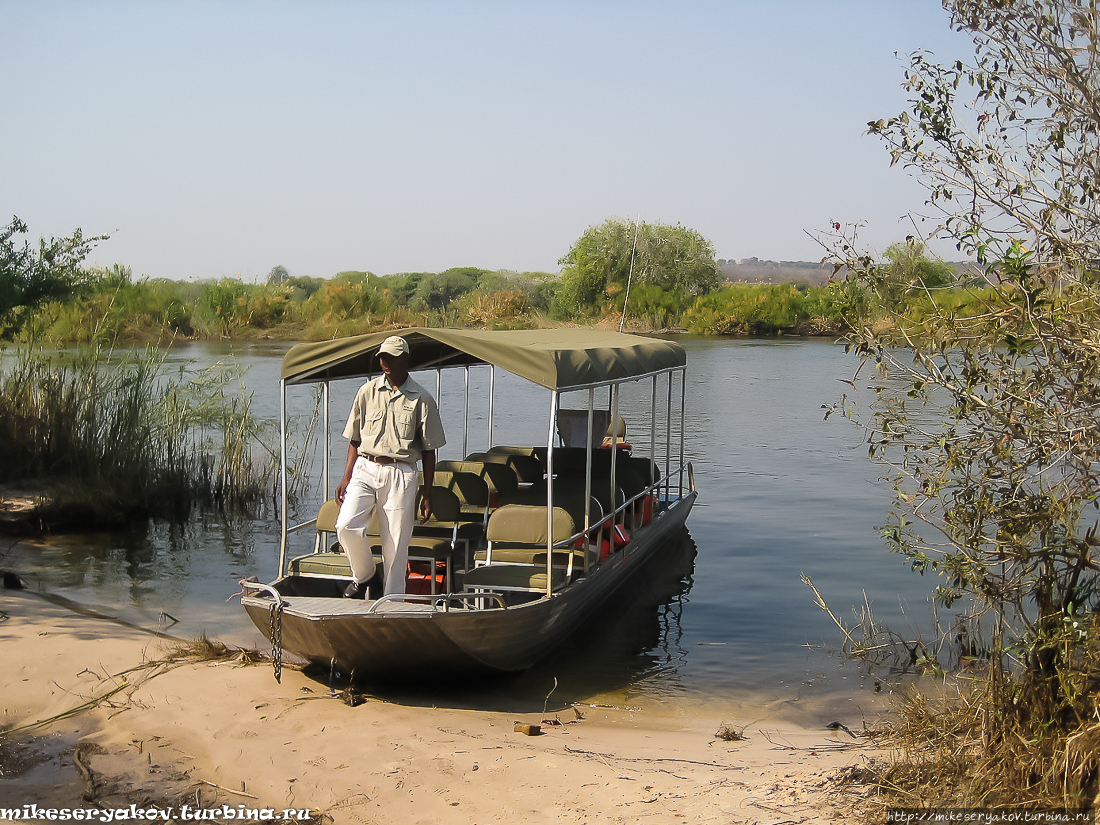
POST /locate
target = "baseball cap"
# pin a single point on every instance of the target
(394, 345)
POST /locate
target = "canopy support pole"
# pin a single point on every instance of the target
(492, 393)
(466, 416)
(683, 401)
(588, 472)
(668, 437)
(614, 502)
(550, 493)
(325, 469)
(283, 495)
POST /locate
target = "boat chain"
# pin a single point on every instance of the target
(276, 637)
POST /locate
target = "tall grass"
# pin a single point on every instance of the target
(766, 309)
(118, 438)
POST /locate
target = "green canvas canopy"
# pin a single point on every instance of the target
(558, 359)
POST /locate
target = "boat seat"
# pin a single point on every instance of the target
(513, 577)
(321, 564)
(527, 468)
(568, 497)
(500, 478)
(504, 554)
(326, 524)
(472, 491)
(504, 449)
(517, 528)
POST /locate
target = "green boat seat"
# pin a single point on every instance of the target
(500, 478)
(513, 577)
(321, 564)
(517, 529)
(527, 468)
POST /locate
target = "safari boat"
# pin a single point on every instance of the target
(526, 541)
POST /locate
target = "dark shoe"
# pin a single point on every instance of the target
(356, 590)
(371, 588)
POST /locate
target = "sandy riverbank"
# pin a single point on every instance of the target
(223, 732)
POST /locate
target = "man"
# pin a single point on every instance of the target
(394, 423)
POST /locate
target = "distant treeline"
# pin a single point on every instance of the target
(113, 306)
(649, 277)
(755, 270)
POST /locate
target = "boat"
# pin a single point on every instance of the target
(527, 541)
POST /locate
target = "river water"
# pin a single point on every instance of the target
(728, 625)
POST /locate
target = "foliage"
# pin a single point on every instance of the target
(115, 308)
(297, 287)
(657, 307)
(909, 270)
(763, 309)
(436, 291)
(503, 309)
(29, 278)
(988, 418)
(127, 440)
(670, 257)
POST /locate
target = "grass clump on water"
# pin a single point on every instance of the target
(117, 437)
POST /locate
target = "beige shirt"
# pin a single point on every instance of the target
(399, 423)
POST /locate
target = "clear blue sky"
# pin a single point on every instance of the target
(222, 138)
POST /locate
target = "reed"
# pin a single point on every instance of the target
(762, 309)
(119, 438)
(976, 744)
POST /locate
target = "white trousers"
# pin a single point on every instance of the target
(388, 490)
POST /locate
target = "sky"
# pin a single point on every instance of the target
(220, 139)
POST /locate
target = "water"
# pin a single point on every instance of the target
(782, 492)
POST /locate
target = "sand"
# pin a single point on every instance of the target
(218, 733)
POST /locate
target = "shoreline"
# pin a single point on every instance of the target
(222, 731)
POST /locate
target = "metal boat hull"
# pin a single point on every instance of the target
(391, 644)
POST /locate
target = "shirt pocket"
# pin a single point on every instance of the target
(405, 422)
(373, 426)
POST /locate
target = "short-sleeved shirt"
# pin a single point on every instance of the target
(400, 423)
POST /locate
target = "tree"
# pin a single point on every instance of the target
(1000, 498)
(436, 291)
(29, 277)
(669, 257)
(910, 266)
(279, 274)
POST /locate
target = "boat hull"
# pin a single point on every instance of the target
(330, 631)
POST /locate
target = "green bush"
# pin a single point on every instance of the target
(747, 309)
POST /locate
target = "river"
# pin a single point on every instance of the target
(730, 626)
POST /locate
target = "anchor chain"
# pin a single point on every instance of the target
(276, 637)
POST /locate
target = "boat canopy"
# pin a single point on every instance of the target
(558, 359)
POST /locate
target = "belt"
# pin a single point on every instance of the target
(383, 459)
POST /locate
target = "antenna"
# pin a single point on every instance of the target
(630, 274)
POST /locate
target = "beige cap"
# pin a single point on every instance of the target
(394, 345)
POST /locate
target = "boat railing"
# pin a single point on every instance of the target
(631, 504)
(439, 604)
(265, 588)
(294, 528)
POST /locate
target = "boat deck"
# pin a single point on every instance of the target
(319, 607)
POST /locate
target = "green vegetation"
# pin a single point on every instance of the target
(116, 438)
(765, 309)
(999, 500)
(111, 305)
(674, 258)
(28, 278)
(48, 297)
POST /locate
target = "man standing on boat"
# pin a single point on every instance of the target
(393, 424)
